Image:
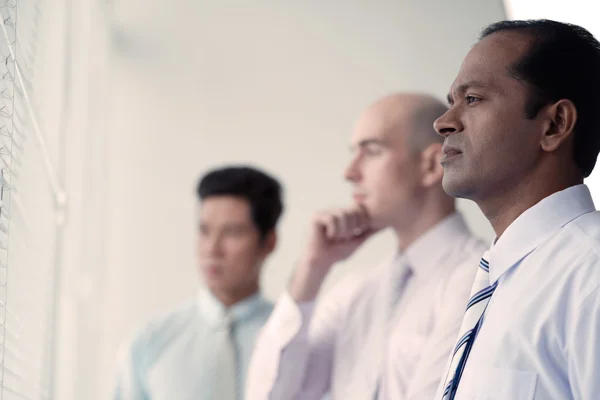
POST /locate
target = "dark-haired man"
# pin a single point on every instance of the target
(522, 132)
(201, 350)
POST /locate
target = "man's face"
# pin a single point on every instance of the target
(384, 173)
(490, 145)
(230, 251)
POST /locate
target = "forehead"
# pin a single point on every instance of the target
(225, 210)
(491, 58)
(382, 122)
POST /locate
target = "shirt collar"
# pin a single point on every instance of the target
(215, 312)
(536, 225)
(433, 247)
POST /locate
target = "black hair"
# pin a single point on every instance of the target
(262, 191)
(562, 62)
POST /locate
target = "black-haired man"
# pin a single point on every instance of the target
(202, 349)
(522, 132)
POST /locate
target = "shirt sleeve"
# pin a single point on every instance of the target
(584, 348)
(433, 361)
(129, 384)
(293, 355)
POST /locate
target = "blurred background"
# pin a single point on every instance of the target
(110, 110)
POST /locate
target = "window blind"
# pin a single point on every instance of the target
(30, 195)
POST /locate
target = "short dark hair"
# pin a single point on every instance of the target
(262, 191)
(563, 62)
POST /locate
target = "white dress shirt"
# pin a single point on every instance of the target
(540, 338)
(176, 356)
(387, 330)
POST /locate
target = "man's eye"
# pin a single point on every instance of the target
(471, 99)
(372, 150)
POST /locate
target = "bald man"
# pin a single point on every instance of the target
(387, 331)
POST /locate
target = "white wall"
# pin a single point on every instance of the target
(82, 262)
(581, 12)
(195, 84)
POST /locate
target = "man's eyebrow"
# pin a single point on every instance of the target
(463, 88)
(367, 142)
(235, 225)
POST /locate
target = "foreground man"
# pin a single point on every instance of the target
(522, 132)
(388, 331)
(201, 350)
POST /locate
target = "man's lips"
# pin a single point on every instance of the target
(449, 152)
(359, 197)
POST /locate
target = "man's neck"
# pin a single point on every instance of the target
(426, 220)
(505, 207)
(230, 297)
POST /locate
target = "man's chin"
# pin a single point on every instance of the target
(454, 186)
(217, 287)
(213, 281)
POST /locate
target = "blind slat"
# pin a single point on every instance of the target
(30, 189)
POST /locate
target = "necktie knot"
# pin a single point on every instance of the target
(226, 322)
(484, 264)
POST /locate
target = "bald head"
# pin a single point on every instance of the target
(409, 114)
(395, 169)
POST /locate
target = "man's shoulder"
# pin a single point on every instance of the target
(585, 230)
(464, 243)
(577, 244)
(263, 310)
(162, 326)
(358, 285)
(475, 246)
(455, 280)
(144, 345)
(464, 256)
(569, 259)
(366, 277)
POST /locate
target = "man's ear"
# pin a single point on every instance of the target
(270, 242)
(561, 118)
(431, 169)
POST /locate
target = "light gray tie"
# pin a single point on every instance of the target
(225, 384)
(398, 285)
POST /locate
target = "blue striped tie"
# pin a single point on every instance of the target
(480, 296)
